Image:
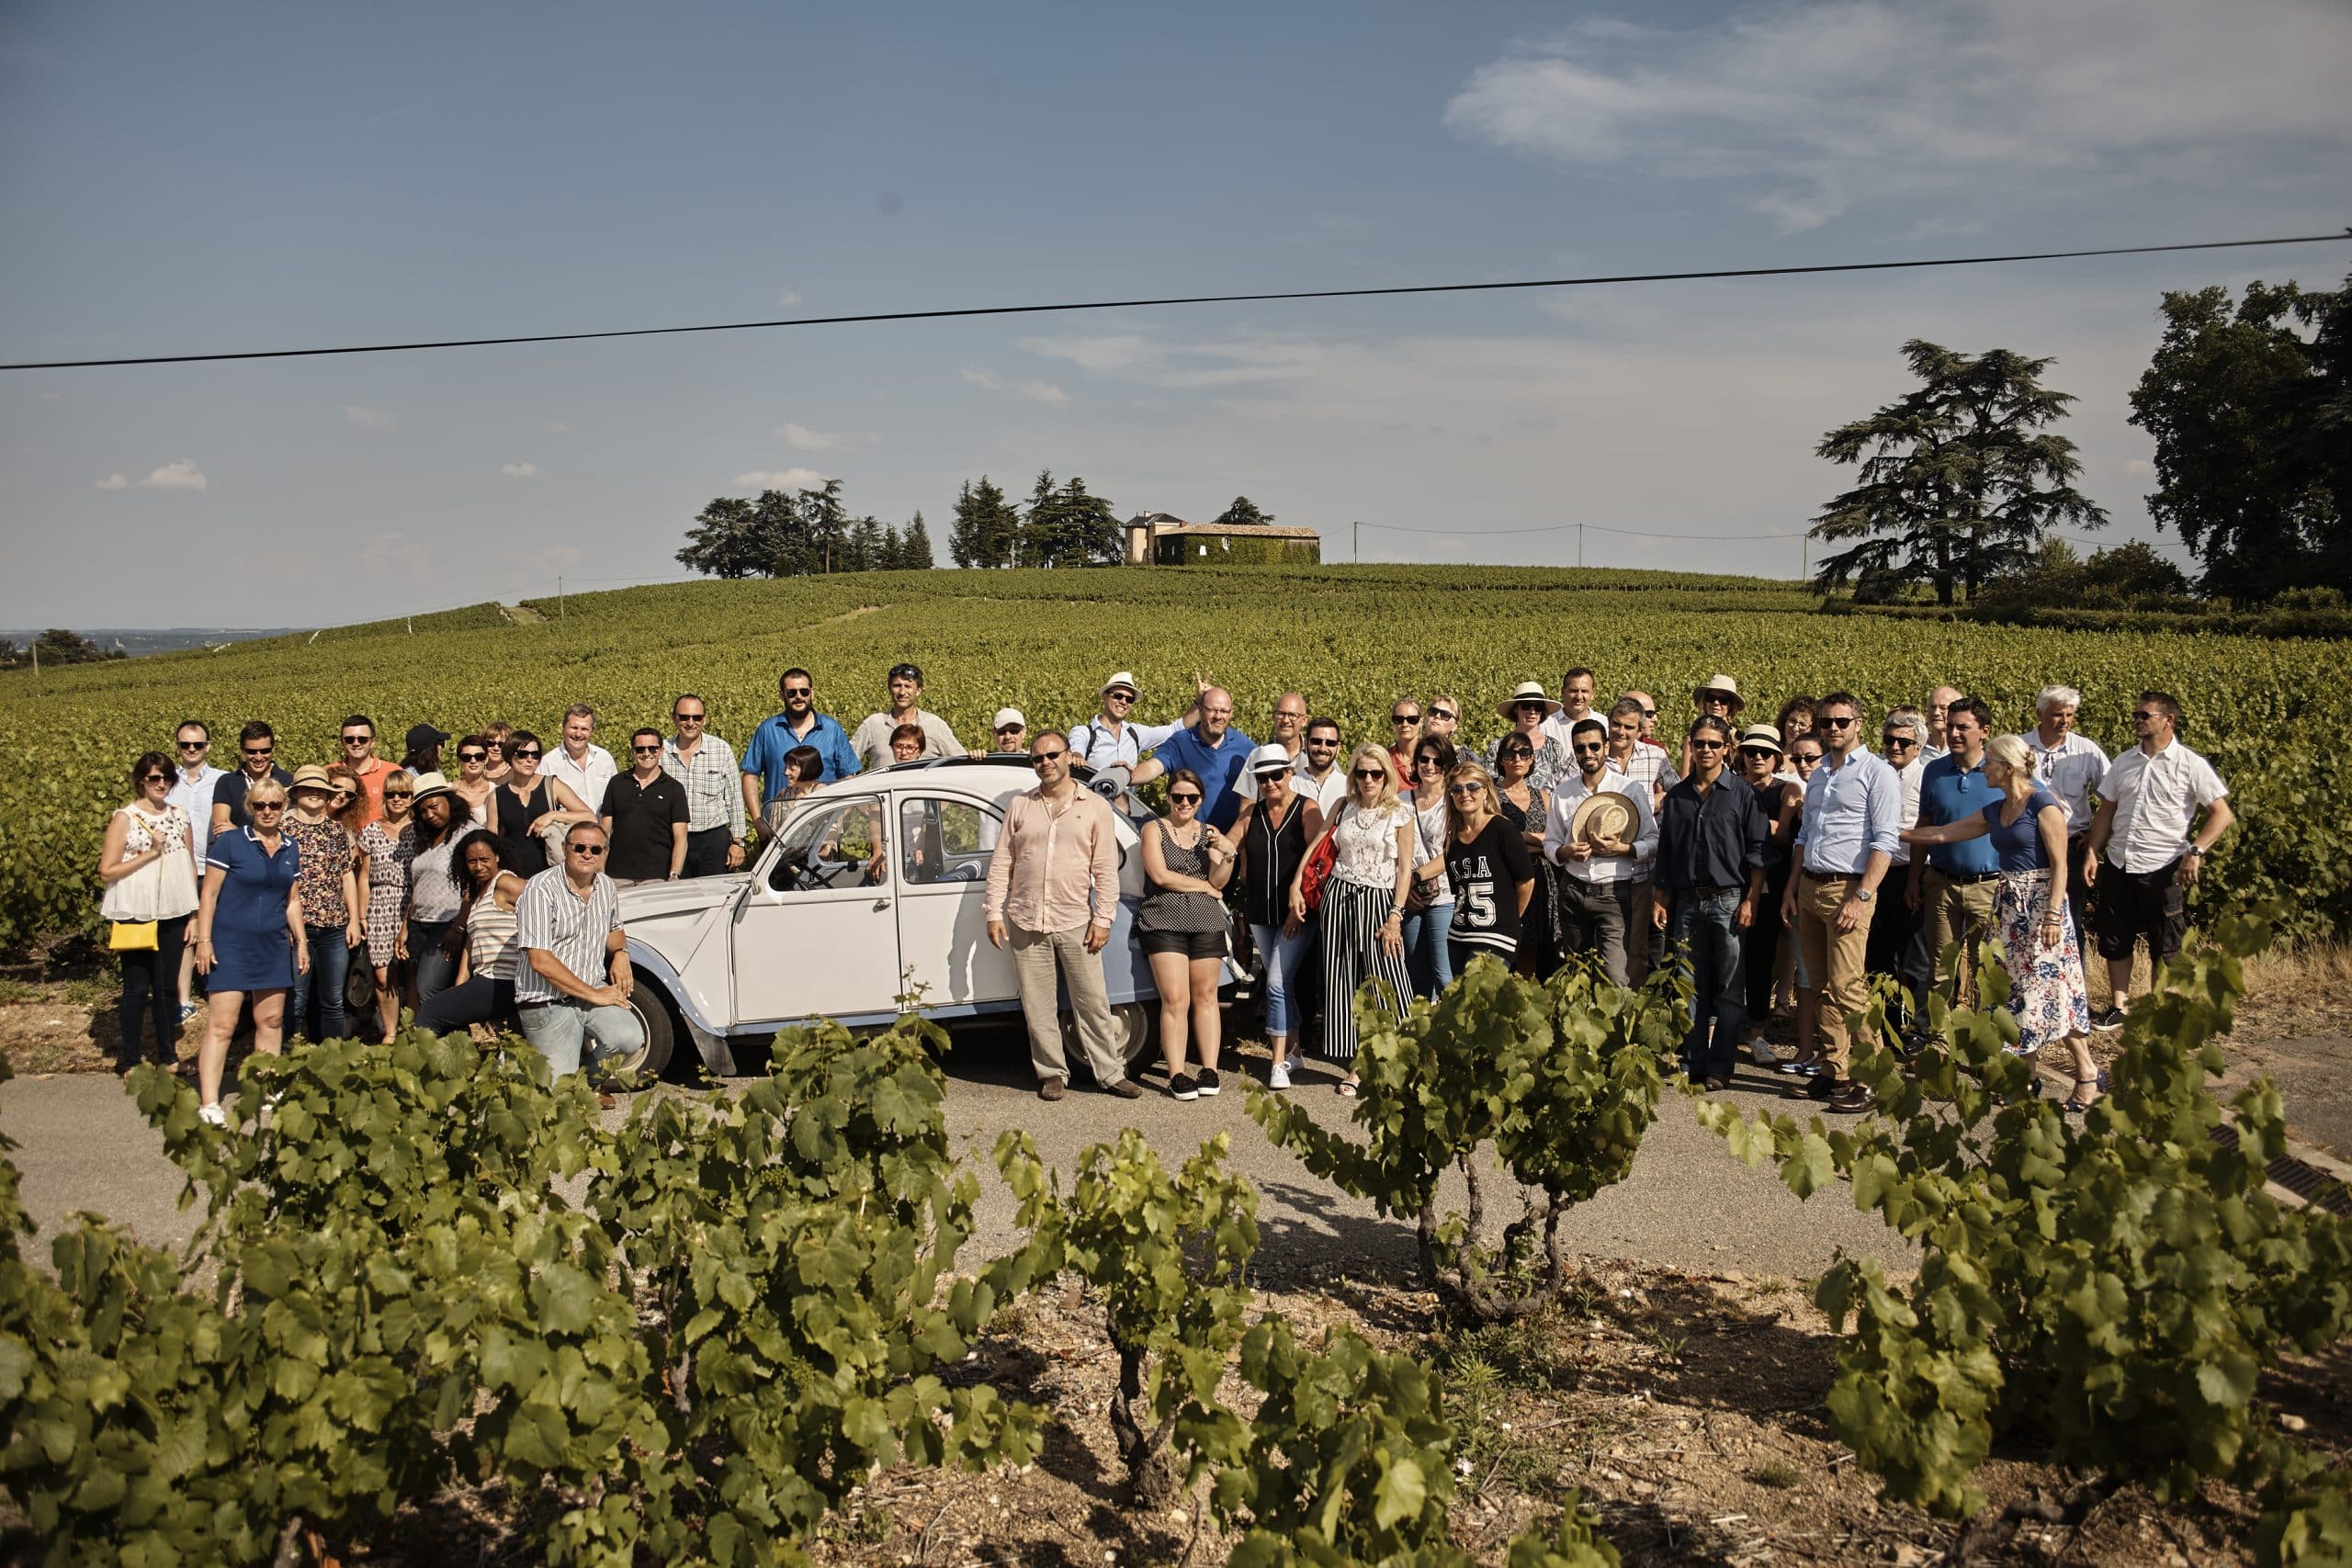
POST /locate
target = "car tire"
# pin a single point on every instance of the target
(1136, 1026)
(652, 1011)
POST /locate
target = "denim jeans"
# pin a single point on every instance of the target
(1426, 959)
(1282, 956)
(435, 971)
(320, 988)
(557, 1030)
(1708, 939)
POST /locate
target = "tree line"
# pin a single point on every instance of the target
(808, 533)
(1963, 485)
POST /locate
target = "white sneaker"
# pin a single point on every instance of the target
(1280, 1077)
(1760, 1052)
(212, 1115)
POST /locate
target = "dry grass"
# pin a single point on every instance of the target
(2294, 991)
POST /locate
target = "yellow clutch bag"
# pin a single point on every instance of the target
(132, 936)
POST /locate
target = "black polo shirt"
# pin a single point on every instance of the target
(1710, 841)
(229, 791)
(643, 815)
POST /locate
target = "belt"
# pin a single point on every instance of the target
(1811, 875)
(1708, 888)
(1968, 879)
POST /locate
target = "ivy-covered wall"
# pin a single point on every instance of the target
(1231, 550)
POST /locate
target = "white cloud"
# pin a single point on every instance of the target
(1110, 352)
(554, 426)
(790, 297)
(520, 470)
(114, 481)
(368, 419)
(1814, 108)
(1035, 391)
(179, 474)
(785, 479)
(1225, 362)
(800, 438)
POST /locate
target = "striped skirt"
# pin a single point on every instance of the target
(1351, 917)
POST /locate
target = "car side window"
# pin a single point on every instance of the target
(838, 846)
(945, 841)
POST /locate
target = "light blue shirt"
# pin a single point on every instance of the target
(1851, 810)
(1099, 745)
(194, 796)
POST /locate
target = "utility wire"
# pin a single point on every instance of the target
(1188, 299)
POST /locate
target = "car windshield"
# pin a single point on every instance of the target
(843, 844)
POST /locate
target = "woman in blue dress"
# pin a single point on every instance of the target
(249, 939)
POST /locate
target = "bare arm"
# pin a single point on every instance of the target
(113, 864)
(207, 901)
(1972, 826)
(301, 936)
(549, 967)
(677, 850)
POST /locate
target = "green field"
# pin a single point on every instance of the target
(2272, 714)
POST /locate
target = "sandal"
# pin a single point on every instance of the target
(2075, 1106)
(1347, 1089)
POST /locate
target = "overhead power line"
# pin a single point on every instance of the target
(1187, 300)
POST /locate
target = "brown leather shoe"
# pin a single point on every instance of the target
(605, 1099)
(1053, 1089)
(1126, 1088)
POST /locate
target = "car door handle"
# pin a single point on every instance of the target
(881, 903)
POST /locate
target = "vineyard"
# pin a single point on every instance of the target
(2270, 713)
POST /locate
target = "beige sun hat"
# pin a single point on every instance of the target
(1763, 735)
(1122, 678)
(1606, 814)
(1722, 683)
(1527, 692)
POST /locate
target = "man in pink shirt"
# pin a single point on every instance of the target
(1053, 890)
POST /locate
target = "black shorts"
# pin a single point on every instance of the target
(2133, 905)
(1192, 945)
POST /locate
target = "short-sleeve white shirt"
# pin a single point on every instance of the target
(2156, 801)
(2070, 770)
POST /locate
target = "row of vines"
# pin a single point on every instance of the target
(2270, 713)
(763, 1296)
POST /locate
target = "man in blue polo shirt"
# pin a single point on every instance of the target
(799, 725)
(1217, 751)
(1954, 887)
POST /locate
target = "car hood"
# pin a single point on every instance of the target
(656, 900)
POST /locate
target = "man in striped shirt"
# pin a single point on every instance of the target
(573, 986)
(705, 767)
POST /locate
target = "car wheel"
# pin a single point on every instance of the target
(1135, 1027)
(652, 1011)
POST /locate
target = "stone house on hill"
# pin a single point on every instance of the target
(1156, 538)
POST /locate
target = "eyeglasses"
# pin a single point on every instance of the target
(1323, 743)
(340, 793)
(1649, 713)
(1039, 759)
(1463, 788)
(1522, 707)
(1272, 778)
(1187, 798)
(1404, 718)
(1429, 761)
(1010, 728)
(645, 751)
(196, 745)
(1367, 773)
(590, 850)
(1515, 751)
(1754, 751)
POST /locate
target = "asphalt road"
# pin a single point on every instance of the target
(1686, 1204)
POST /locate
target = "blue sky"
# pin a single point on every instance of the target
(183, 178)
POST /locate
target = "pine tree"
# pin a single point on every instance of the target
(1087, 530)
(1244, 514)
(987, 529)
(827, 521)
(1039, 533)
(893, 550)
(914, 550)
(1958, 479)
(781, 528)
(864, 548)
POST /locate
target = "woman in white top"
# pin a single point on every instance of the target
(1373, 836)
(149, 866)
(1429, 906)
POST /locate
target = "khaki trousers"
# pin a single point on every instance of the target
(1956, 912)
(1838, 965)
(1034, 958)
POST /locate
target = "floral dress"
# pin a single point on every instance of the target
(388, 852)
(325, 849)
(2047, 994)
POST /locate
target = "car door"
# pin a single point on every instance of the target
(816, 931)
(944, 843)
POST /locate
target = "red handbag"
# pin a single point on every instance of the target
(1316, 872)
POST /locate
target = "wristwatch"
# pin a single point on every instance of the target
(1863, 894)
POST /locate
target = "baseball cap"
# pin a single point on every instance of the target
(420, 736)
(1007, 715)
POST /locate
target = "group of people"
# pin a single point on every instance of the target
(1782, 861)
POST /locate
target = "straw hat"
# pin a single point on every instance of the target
(309, 775)
(1526, 692)
(1607, 814)
(1762, 734)
(1270, 759)
(427, 786)
(1722, 683)
(1119, 679)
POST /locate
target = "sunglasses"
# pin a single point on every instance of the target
(800, 691)
(1706, 745)
(1119, 696)
(1427, 762)
(1764, 751)
(1275, 778)
(1323, 743)
(1187, 798)
(1649, 713)
(1404, 718)
(258, 750)
(2145, 718)
(530, 755)
(340, 793)
(1446, 714)
(1368, 773)
(196, 745)
(359, 740)
(1010, 728)
(151, 778)
(645, 751)
(592, 851)
(1515, 751)
(1039, 759)
(1463, 788)
(262, 805)
(398, 794)
(1583, 747)
(1903, 740)
(1806, 759)
(473, 756)
(686, 717)
(1828, 722)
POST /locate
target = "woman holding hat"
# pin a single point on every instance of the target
(1271, 838)
(328, 885)
(2027, 826)
(436, 887)
(149, 868)
(1527, 707)
(1372, 835)
(249, 937)
(385, 847)
(1180, 927)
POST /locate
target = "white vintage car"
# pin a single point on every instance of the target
(874, 889)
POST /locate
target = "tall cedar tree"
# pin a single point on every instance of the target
(914, 548)
(986, 527)
(1244, 514)
(1040, 528)
(1958, 480)
(725, 542)
(1069, 526)
(827, 524)
(2253, 422)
